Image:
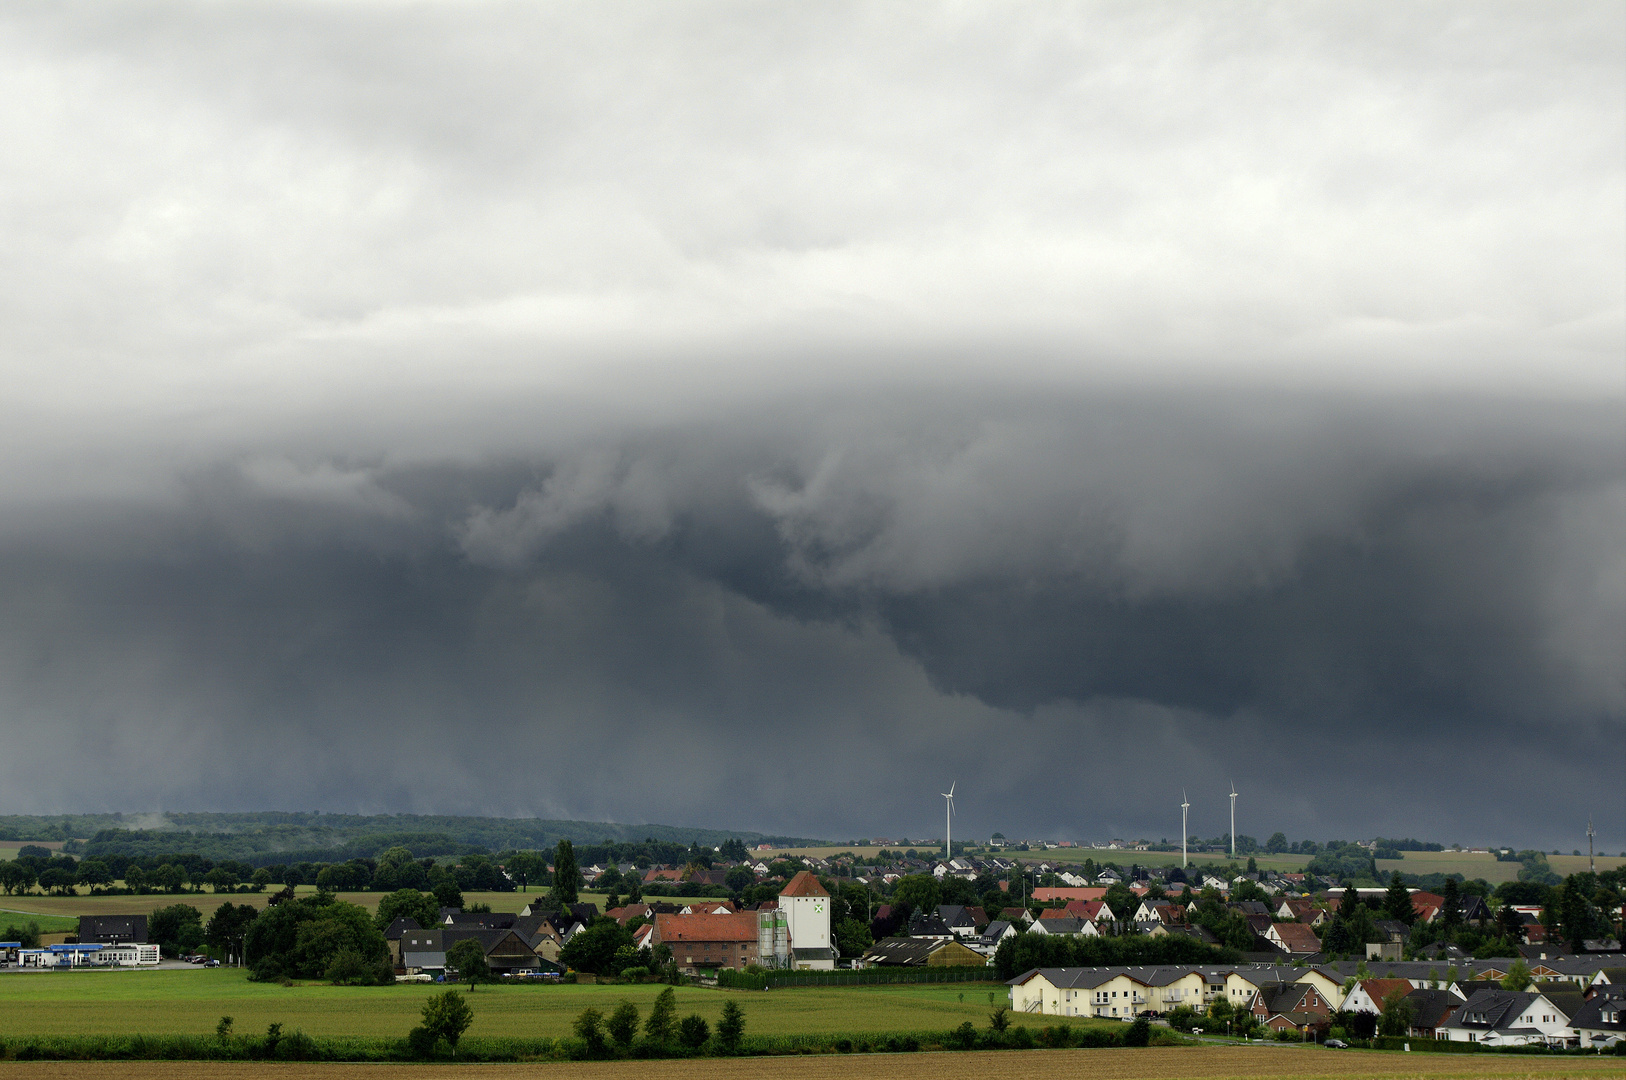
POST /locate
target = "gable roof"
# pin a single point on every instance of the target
(1378, 989)
(741, 926)
(1431, 1007)
(1297, 937)
(113, 928)
(399, 927)
(805, 883)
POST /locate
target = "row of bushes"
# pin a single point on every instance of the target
(772, 980)
(298, 1046)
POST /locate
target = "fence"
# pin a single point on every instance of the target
(775, 980)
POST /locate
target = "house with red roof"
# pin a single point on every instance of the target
(1296, 938)
(706, 943)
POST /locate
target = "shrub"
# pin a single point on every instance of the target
(1182, 1018)
(346, 968)
(623, 1024)
(587, 1028)
(297, 1047)
(421, 1042)
(1139, 1033)
(964, 1037)
(693, 1031)
(662, 1016)
(731, 1028)
(1000, 1018)
(266, 969)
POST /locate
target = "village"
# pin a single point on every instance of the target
(1305, 959)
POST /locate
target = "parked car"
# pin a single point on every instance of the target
(211, 963)
(1336, 1044)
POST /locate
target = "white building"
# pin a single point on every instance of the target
(807, 915)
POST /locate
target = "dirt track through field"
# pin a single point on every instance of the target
(1209, 1063)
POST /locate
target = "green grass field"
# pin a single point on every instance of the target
(206, 902)
(192, 1002)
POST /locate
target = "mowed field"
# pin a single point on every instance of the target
(192, 1002)
(1153, 1063)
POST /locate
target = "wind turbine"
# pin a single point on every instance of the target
(1184, 806)
(1233, 819)
(1591, 863)
(948, 822)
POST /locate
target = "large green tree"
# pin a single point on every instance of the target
(422, 908)
(526, 867)
(1397, 901)
(566, 876)
(178, 928)
(447, 1016)
(593, 948)
(468, 959)
(919, 891)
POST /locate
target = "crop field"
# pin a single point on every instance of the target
(192, 1002)
(1154, 1063)
(1486, 866)
(1452, 862)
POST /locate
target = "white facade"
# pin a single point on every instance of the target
(89, 955)
(809, 921)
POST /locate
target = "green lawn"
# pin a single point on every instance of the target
(183, 1002)
(48, 924)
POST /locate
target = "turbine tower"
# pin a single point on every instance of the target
(1184, 806)
(1591, 863)
(1233, 819)
(948, 822)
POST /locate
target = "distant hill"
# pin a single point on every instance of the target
(277, 836)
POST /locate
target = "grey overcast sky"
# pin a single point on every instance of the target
(762, 415)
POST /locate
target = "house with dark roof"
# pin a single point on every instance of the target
(1600, 1022)
(929, 924)
(958, 918)
(506, 952)
(1295, 1006)
(113, 929)
(1497, 1017)
(1068, 926)
(392, 937)
(997, 931)
(1429, 1008)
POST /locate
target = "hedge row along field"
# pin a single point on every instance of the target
(1154, 1063)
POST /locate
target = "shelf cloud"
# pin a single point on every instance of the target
(647, 414)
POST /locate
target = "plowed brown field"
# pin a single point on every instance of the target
(1242, 1063)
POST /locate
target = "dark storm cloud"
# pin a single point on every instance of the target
(556, 410)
